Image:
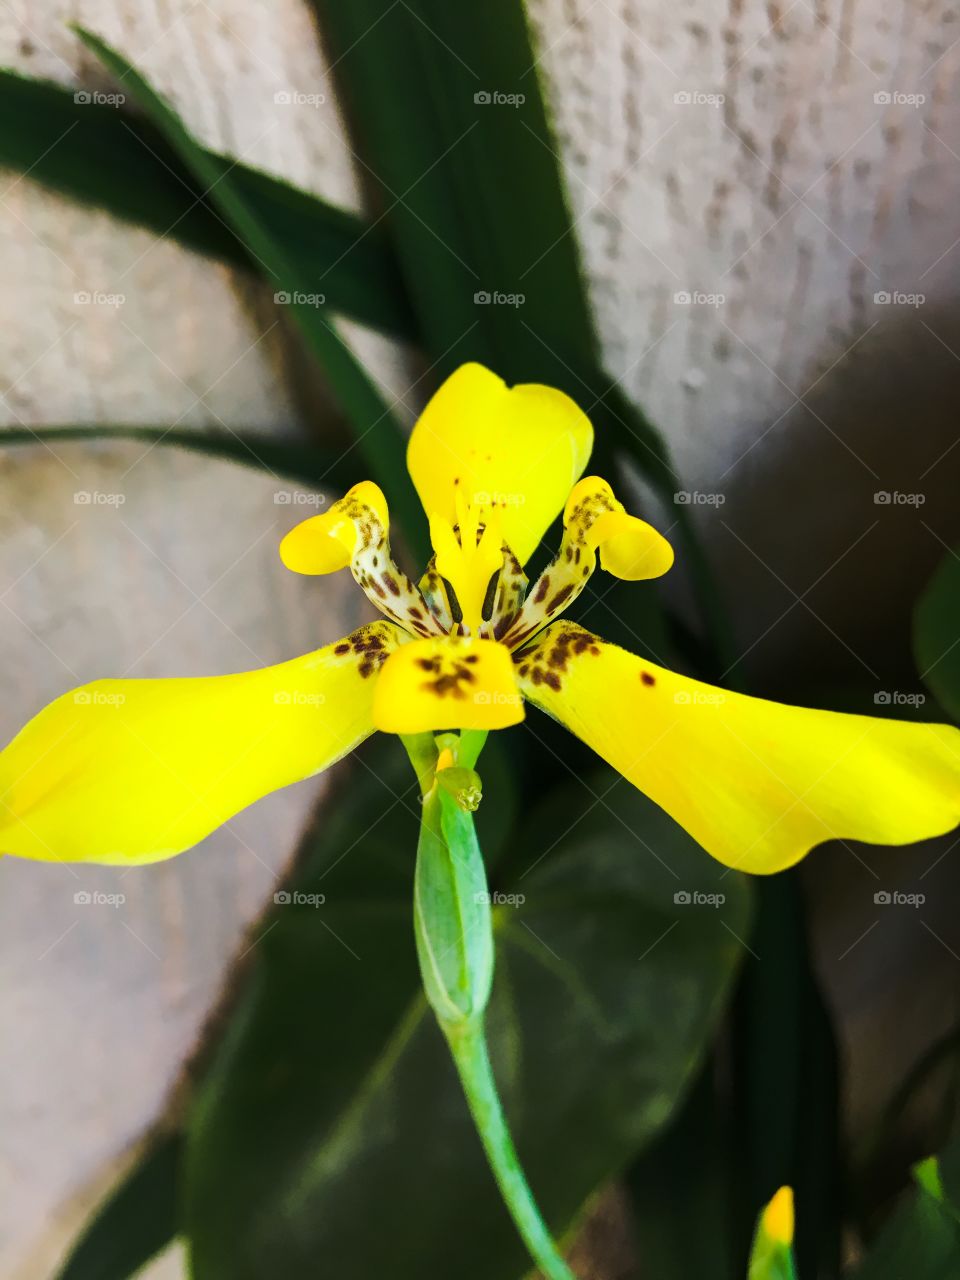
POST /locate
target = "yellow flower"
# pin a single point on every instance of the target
(138, 770)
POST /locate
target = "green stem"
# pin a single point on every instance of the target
(454, 933)
(468, 1044)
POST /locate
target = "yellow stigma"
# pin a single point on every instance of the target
(469, 562)
(778, 1217)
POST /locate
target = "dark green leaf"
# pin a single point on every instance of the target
(474, 196)
(332, 1126)
(307, 464)
(786, 1081)
(921, 1241)
(378, 434)
(936, 634)
(121, 163)
(685, 1178)
(474, 199)
(139, 1219)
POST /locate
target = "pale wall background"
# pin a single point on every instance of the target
(797, 198)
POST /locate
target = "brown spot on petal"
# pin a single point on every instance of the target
(562, 595)
(647, 679)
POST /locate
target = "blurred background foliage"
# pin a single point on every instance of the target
(687, 1056)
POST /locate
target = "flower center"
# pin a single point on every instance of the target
(468, 558)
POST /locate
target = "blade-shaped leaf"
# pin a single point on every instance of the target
(453, 128)
(378, 434)
(119, 162)
(138, 1220)
(333, 1105)
(936, 634)
(922, 1238)
(305, 463)
(469, 177)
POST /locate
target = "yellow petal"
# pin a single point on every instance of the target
(452, 682)
(516, 450)
(629, 547)
(758, 784)
(593, 520)
(327, 542)
(127, 771)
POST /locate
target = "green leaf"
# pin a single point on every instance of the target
(117, 161)
(685, 1177)
(474, 197)
(936, 634)
(308, 464)
(922, 1238)
(378, 434)
(333, 1105)
(139, 1219)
